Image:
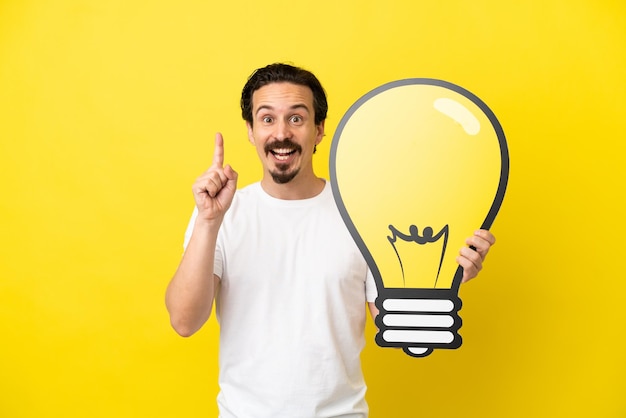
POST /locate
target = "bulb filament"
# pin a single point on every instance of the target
(414, 236)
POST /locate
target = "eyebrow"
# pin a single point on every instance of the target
(294, 107)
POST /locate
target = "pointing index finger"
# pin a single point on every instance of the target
(218, 152)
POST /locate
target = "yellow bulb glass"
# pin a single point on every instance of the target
(417, 166)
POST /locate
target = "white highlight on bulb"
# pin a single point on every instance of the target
(458, 113)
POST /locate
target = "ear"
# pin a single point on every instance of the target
(250, 134)
(320, 132)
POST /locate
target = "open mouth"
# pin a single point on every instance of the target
(282, 154)
(283, 150)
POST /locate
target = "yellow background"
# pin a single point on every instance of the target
(107, 114)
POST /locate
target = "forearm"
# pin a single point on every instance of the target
(190, 294)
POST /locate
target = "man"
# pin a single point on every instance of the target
(290, 285)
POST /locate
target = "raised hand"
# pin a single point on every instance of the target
(213, 191)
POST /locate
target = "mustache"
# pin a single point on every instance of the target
(285, 143)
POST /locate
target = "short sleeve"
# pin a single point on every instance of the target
(371, 293)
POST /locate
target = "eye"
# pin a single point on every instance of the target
(267, 119)
(296, 119)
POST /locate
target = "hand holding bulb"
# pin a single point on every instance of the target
(472, 257)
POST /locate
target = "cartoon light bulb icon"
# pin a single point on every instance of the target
(416, 166)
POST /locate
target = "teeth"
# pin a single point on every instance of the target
(282, 154)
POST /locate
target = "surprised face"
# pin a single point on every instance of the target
(284, 131)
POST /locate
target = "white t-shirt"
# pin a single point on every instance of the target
(291, 308)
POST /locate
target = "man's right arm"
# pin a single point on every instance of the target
(191, 292)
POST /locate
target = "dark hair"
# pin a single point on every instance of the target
(284, 73)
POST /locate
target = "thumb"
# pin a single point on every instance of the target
(231, 175)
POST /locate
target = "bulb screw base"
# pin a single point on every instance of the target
(419, 320)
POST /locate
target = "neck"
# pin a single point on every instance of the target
(296, 189)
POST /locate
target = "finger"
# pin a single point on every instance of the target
(472, 256)
(471, 262)
(230, 174)
(479, 244)
(211, 182)
(469, 269)
(218, 152)
(215, 183)
(486, 235)
(220, 178)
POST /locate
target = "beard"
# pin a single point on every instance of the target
(282, 175)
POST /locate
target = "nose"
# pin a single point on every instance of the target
(282, 130)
